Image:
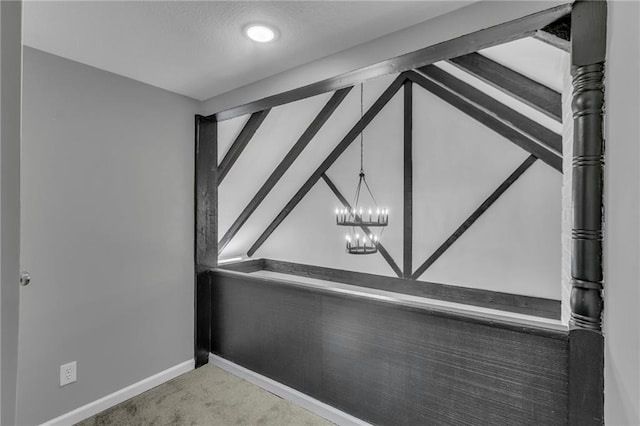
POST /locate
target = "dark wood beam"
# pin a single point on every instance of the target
(240, 143)
(206, 193)
(383, 251)
(586, 357)
(553, 40)
(206, 239)
(371, 113)
(472, 42)
(246, 266)
(511, 117)
(527, 305)
(407, 251)
(284, 165)
(532, 93)
(560, 28)
(474, 216)
(498, 126)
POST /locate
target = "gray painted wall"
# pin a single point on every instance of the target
(10, 70)
(107, 233)
(133, 338)
(622, 221)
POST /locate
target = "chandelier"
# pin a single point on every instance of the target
(364, 224)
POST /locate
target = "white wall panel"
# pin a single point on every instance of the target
(278, 133)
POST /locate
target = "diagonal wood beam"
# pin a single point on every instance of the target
(331, 158)
(532, 93)
(240, 143)
(553, 40)
(543, 135)
(498, 126)
(284, 165)
(383, 251)
(474, 216)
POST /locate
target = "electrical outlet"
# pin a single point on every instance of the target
(68, 373)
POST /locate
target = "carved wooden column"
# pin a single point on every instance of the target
(206, 230)
(588, 162)
(586, 363)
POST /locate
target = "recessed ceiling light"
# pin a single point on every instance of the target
(260, 33)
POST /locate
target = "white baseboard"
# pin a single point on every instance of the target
(300, 399)
(122, 395)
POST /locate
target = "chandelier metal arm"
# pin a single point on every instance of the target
(354, 217)
(369, 189)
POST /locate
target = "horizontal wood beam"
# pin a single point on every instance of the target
(241, 143)
(536, 306)
(383, 251)
(511, 117)
(284, 165)
(472, 42)
(246, 266)
(371, 113)
(532, 93)
(498, 126)
(474, 216)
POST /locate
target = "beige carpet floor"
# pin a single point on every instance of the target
(207, 396)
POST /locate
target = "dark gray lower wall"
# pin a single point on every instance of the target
(387, 363)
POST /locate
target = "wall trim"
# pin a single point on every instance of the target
(121, 395)
(527, 305)
(300, 399)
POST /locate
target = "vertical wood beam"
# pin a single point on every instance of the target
(206, 230)
(588, 52)
(407, 251)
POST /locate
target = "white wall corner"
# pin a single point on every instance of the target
(567, 179)
(121, 395)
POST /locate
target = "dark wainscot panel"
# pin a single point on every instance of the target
(389, 363)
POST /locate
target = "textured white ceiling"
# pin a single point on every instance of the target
(198, 48)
